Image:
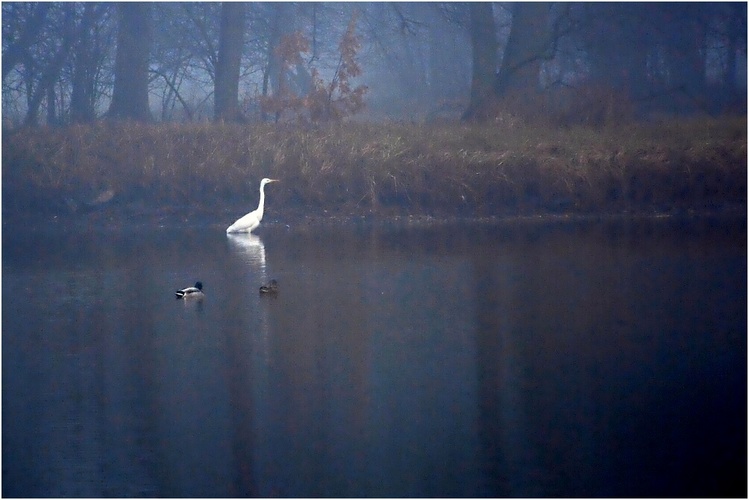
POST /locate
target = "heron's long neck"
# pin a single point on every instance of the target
(261, 204)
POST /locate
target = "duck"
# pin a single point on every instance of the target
(270, 287)
(191, 292)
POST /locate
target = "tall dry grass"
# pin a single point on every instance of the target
(398, 168)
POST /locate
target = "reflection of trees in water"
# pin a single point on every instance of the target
(498, 436)
(317, 370)
(87, 396)
(372, 369)
(583, 340)
(536, 307)
(528, 362)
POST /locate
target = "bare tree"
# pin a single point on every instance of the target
(16, 45)
(231, 42)
(130, 95)
(88, 59)
(735, 37)
(527, 46)
(220, 60)
(484, 51)
(50, 73)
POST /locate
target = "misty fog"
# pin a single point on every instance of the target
(76, 62)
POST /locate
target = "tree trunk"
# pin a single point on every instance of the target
(231, 42)
(274, 77)
(687, 68)
(280, 26)
(83, 80)
(52, 118)
(484, 51)
(736, 32)
(617, 43)
(51, 73)
(130, 95)
(527, 46)
(15, 53)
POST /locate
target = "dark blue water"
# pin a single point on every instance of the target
(518, 358)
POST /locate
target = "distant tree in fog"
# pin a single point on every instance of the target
(55, 57)
(231, 42)
(317, 99)
(338, 98)
(416, 56)
(22, 25)
(130, 94)
(37, 40)
(89, 59)
(71, 62)
(286, 74)
(659, 54)
(49, 74)
(734, 36)
(528, 45)
(625, 57)
(484, 62)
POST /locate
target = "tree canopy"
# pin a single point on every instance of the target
(562, 62)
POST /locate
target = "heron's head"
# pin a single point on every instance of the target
(266, 181)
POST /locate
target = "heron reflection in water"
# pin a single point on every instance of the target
(249, 248)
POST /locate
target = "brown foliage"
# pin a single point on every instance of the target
(326, 102)
(289, 51)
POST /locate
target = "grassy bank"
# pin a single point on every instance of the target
(386, 169)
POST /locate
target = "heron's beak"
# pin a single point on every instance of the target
(274, 180)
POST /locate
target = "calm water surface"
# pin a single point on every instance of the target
(504, 359)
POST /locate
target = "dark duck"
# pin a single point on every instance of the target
(270, 287)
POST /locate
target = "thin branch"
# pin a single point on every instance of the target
(175, 90)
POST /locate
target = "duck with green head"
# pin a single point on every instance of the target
(191, 292)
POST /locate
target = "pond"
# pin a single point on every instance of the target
(507, 358)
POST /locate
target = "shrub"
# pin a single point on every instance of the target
(325, 102)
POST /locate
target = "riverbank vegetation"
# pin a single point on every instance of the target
(386, 169)
(371, 108)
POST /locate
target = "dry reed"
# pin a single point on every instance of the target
(385, 168)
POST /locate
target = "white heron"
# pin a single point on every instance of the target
(191, 292)
(252, 220)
